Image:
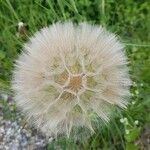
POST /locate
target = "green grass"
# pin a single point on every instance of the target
(127, 18)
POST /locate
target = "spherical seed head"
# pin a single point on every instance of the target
(68, 73)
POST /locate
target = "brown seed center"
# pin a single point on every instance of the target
(75, 83)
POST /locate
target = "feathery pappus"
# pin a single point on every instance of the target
(67, 73)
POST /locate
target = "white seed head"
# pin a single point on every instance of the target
(69, 73)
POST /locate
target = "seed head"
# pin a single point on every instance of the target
(69, 74)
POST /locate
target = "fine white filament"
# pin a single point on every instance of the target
(67, 73)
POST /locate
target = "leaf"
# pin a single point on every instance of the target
(131, 146)
(2, 55)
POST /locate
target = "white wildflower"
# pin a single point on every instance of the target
(122, 120)
(20, 24)
(134, 84)
(127, 131)
(66, 73)
(22, 29)
(133, 102)
(132, 94)
(141, 84)
(136, 122)
(136, 92)
(126, 121)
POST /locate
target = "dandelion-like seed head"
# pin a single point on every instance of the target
(68, 73)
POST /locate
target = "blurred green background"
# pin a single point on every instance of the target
(130, 19)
